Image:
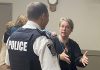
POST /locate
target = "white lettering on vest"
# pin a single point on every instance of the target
(17, 45)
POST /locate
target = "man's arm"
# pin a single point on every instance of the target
(47, 60)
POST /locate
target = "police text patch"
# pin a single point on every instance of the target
(17, 45)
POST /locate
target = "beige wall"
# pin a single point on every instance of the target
(84, 13)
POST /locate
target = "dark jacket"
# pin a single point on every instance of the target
(74, 52)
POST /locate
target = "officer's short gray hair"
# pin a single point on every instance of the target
(35, 10)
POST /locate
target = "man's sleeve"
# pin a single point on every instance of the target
(47, 60)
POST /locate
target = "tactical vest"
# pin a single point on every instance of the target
(20, 48)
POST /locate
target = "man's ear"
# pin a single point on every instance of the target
(43, 15)
(42, 18)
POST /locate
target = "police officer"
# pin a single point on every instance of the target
(29, 48)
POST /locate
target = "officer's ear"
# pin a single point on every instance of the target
(42, 17)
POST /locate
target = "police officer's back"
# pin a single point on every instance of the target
(28, 46)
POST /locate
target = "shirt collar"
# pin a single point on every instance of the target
(31, 25)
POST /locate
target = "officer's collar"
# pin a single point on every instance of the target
(31, 25)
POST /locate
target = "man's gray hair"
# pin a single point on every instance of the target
(35, 10)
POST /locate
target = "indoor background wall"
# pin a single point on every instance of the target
(84, 13)
(86, 17)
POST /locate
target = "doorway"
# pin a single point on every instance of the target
(5, 16)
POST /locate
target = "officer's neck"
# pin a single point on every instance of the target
(39, 23)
